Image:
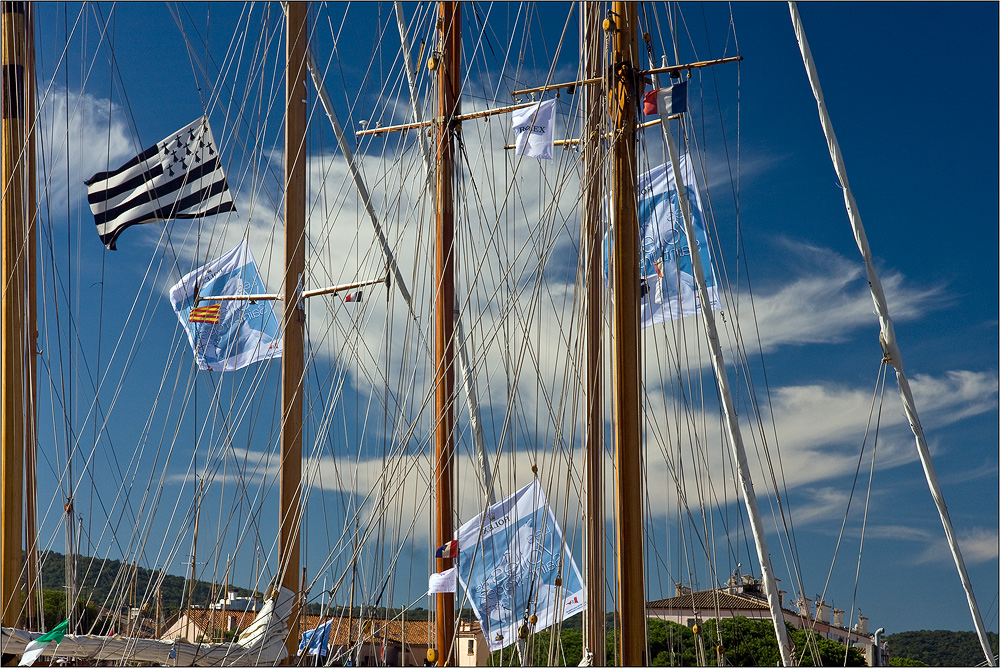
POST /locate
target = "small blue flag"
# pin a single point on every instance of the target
(315, 641)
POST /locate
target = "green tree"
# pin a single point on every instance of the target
(740, 641)
(940, 648)
(670, 644)
(831, 653)
(54, 612)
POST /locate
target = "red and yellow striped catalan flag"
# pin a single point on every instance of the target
(209, 314)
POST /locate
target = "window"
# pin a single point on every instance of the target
(472, 647)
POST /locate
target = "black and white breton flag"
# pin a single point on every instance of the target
(180, 177)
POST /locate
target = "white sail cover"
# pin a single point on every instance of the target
(509, 559)
(668, 286)
(262, 643)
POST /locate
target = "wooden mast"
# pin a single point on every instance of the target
(449, 26)
(33, 590)
(592, 48)
(293, 317)
(16, 292)
(624, 270)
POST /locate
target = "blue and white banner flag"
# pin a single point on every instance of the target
(315, 642)
(668, 289)
(227, 334)
(534, 134)
(179, 177)
(509, 559)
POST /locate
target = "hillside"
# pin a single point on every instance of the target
(940, 648)
(99, 577)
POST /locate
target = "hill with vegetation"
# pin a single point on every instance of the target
(938, 648)
(104, 584)
(102, 581)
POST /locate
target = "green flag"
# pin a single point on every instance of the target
(35, 648)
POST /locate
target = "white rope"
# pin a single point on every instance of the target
(887, 336)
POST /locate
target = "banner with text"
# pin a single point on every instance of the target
(509, 559)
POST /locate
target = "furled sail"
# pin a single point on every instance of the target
(263, 642)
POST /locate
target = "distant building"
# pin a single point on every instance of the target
(744, 597)
(234, 602)
(470, 645)
(373, 642)
(201, 625)
(377, 642)
(362, 642)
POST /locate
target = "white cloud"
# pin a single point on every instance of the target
(826, 297)
(518, 302)
(978, 546)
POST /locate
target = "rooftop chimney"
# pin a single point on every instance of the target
(804, 608)
(862, 625)
(822, 612)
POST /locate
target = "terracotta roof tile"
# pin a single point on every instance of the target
(417, 631)
(221, 619)
(711, 599)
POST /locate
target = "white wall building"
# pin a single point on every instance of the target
(746, 599)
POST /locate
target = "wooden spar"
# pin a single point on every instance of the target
(607, 135)
(624, 279)
(593, 381)
(293, 317)
(359, 183)
(597, 79)
(305, 294)
(474, 115)
(449, 82)
(458, 118)
(15, 291)
(194, 556)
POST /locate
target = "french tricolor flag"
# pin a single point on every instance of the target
(353, 296)
(447, 551)
(671, 100)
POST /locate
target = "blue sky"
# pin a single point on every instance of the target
(912, 92)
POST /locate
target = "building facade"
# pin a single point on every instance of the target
(745, 598)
